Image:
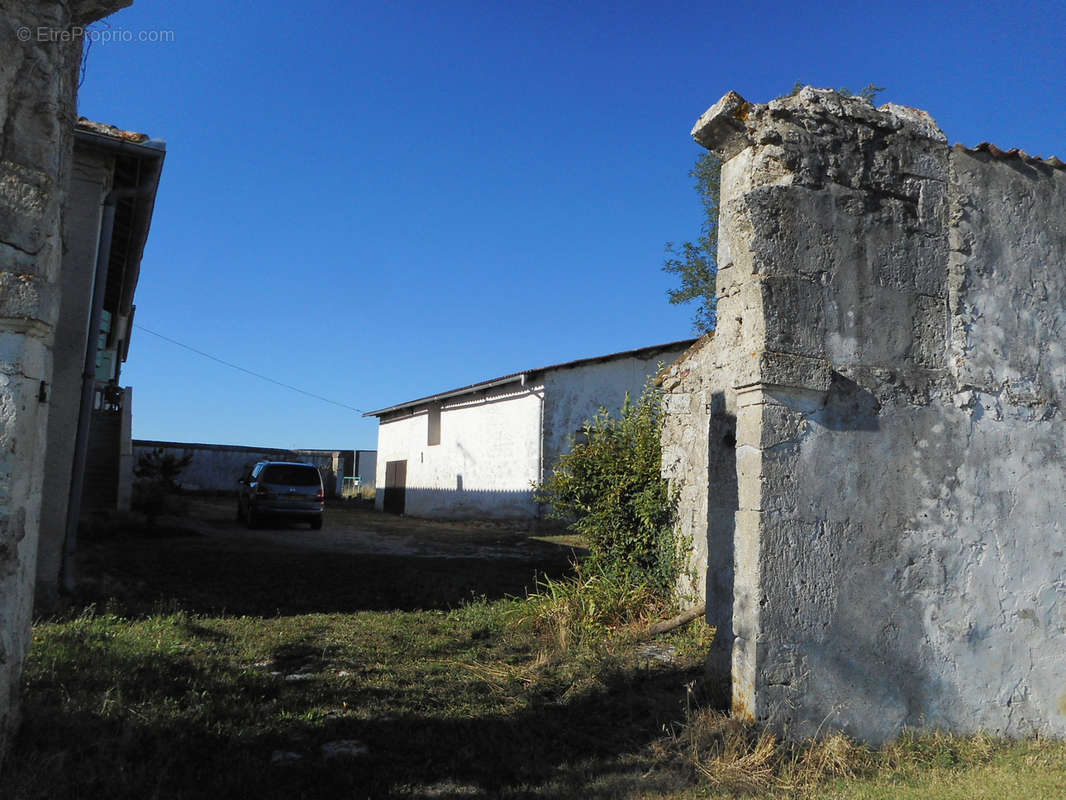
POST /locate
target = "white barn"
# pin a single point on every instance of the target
(476, 451)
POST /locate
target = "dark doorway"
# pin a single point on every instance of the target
(395, 486)
(722, 505)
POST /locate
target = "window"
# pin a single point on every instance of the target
(433, 431)
(291, 475)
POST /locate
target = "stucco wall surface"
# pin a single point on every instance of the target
(900, 457)
(487, 459)
(699, 438)
(90, 182)
(574, 395)
(38, 83)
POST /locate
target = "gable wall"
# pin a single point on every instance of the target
(485, 464)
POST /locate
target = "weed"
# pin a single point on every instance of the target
(585, 610)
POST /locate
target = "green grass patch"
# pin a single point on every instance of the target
(223, 671)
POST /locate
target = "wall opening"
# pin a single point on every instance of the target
(433, 426)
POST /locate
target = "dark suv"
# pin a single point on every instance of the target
(283, 490)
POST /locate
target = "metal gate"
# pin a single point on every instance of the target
(395, 486)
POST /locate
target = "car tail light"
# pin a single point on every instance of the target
(262, 490)
(320, 496)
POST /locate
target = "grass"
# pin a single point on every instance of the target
(209, 669)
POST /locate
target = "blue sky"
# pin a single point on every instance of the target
(374, 202)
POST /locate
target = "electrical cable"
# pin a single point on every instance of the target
(248, 371)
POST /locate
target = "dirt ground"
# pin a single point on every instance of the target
(205, 561)
(349, 529)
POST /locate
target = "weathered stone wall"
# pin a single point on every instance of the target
(38, 83)
(699, 438)
(900, 520)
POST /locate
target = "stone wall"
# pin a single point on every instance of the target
(894, 310)
(38, 83)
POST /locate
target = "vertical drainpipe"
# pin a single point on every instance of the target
(88, 381)
(540, 447)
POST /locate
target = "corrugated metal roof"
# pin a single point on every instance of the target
(640, 352)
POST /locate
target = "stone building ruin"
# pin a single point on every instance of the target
(39, 66)
(870, 449)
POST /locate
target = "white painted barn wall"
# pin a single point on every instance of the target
(493, 448)
(573, 395)
(485, 464)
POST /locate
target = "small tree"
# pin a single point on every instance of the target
(696, 263)
(157, 475)
(610, 487)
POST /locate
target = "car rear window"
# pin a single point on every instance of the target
(288, 475)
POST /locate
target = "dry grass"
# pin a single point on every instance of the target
(589, 608)
(735, 758)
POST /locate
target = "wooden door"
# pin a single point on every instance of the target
(395, 486)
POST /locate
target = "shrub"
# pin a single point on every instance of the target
(157, 475)
(610, 488)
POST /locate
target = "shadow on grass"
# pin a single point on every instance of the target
(202, 575)
(75, 744)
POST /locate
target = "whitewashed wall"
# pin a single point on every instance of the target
(487, 459)
(573, 395)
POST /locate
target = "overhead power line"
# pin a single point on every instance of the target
(231, 365)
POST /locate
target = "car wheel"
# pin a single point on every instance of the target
(252, 517)
(240, 512)
(316, 524)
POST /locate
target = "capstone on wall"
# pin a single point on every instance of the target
(896, 318)
(38, 84)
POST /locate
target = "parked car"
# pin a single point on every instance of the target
(281, 490)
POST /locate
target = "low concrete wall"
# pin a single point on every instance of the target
(218, 467)
(365, 467)
(894, 316)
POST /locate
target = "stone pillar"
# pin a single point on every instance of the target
(39, 63)
(832, 227)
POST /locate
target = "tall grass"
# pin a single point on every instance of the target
(586, 609)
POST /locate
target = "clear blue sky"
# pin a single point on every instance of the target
(378, 201)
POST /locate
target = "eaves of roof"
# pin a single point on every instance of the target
(525, 375)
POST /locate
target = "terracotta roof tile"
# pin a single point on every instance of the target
(103, 129)
(1005, 155)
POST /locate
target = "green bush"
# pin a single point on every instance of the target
(610, 489)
